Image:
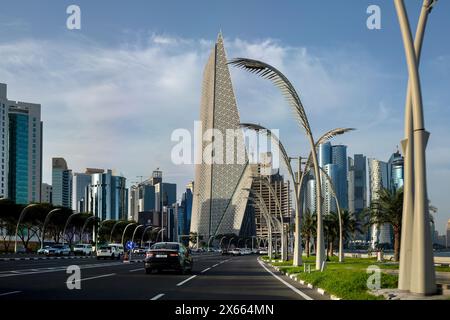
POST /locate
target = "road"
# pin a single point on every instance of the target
(215, 277)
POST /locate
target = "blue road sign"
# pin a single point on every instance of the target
(130, 245)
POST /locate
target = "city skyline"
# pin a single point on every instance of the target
(372, 79)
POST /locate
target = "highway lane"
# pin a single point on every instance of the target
(214, 277)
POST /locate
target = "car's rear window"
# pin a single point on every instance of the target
(104, 247)
(169, 246)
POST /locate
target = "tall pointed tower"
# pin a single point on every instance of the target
(219, 199)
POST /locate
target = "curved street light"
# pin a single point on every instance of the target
(145, 231)
(47, 219)
(298, 182)
(220, 243)
(114, 227)
(162, 234)
(268, 72)
(85, 225)
(209, 240)
(125, 230)
(134, 232)
(67, 223)
(229, 243)
(22, 214)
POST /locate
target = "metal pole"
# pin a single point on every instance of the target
(423, 279)
(297, 235)
(47, 219)
(67, 223)
(22, 214)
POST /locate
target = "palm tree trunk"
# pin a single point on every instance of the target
(307, 246)
(396, 243)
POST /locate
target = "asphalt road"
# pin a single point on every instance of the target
(214, 277)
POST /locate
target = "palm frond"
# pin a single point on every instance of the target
(269, 72)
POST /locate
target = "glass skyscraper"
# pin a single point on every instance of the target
(21, 150)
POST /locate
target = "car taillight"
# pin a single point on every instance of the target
(173, 254)
(149, 255)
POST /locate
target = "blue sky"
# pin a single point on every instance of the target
(113, 91)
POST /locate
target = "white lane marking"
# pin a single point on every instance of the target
(215, 265)
(184, 281)
(203, 271)
(8, 293)
(96, 277)
(134, 270)
(157, 296)
(305, 296)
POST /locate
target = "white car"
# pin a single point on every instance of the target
(246, 251)
(263, 251)
(57, 250)
(139, 251)
(235, 252)
(110, 251)
(82, 249)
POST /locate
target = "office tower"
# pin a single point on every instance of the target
(81, 183)
(310, 196)
(448, 233)
(325, 156)
(339, 158)
(46, 193)
(21, 150)
(108, 197)
(379, 179)
(220, 197)
(332, 171)
(395, 166)
(357, 184)
(281, 188)
(61, 183)
(185, 211)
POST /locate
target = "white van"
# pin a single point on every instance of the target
(110, 251)
(82, 249)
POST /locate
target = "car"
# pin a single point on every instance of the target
(245, 251)
(139, 251)
(168, 255)
(263, 251)
(43, 250)
(58, 250)
(235, 252)
(82, 249)
(109, 251)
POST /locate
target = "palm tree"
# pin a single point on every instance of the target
(308, 229)
(331, 230)
(350, 225)
(388, 209)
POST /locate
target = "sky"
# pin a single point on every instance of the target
(113, 92)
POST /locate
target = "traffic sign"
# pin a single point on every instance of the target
(130, 245)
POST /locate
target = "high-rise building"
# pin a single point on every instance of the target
(81, 183)
(357, 184)
(395, 167)
(357, 192)
(108, 196)
(46, 193)
(339, 159)
(21, 149)
(448, 233)
(379, 179)
(220, 197)
(332, 171)
(281, 188)
(185, 212)
(61, 183)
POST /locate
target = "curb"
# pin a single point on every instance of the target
(294, 277)
(45, 258)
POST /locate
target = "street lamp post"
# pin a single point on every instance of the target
(125, 230)
(220, 243)
(67, 223)
(162, 234)
(209, 241)
(229, 243)
(47, 219)
(422, 273)
(22, 214)
(85, 225)
(144, 232)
